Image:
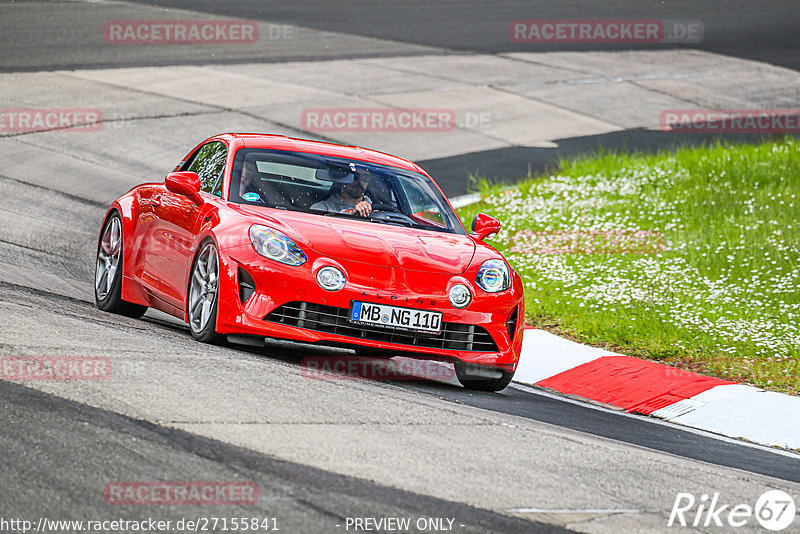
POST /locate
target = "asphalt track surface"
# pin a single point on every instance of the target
(58, 452)
(79, 448)
(765, 31)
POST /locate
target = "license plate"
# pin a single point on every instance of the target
(369, 313)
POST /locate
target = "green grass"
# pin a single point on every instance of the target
(715, 287)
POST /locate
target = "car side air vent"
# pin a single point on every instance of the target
(246, 285)
(511, 323)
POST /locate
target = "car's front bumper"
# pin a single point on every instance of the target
(288, 303)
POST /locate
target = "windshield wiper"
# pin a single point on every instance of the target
(360, 218)
(391, 221)
(336, 214)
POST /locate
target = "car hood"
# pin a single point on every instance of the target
(373, 243)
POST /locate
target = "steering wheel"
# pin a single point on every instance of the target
(377, 206)
(391, 217)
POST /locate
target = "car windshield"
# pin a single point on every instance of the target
(329, 186)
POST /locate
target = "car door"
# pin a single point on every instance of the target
(177, 219)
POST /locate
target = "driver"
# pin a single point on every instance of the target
(348, 198)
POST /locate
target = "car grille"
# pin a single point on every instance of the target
(455, 336)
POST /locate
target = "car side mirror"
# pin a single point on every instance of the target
(186, 184)
(484, 226)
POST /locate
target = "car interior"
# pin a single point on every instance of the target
(302, 187)
(297, 184)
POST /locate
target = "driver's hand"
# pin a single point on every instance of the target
(363, 208)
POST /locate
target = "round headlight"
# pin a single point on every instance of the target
(459, 295)
(330, 278)
(493, 276)
(276, 245)
(275, 248)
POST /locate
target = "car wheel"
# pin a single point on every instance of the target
(482, 378)
(108, 272)
(203, 294)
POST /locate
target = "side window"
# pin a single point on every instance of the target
(209, 164)
(423, 207)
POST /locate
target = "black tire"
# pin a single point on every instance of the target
(204, 332)
(110, 298)
(474, 377)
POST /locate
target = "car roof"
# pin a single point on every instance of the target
(282, 142)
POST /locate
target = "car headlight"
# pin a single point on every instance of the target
(330, 278)
(459, 295)
(276, 246)
(493, 276)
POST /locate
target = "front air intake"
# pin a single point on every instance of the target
(321, 318)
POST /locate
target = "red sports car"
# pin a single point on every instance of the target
(255, 236)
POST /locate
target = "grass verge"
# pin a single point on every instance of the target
(690, 258)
